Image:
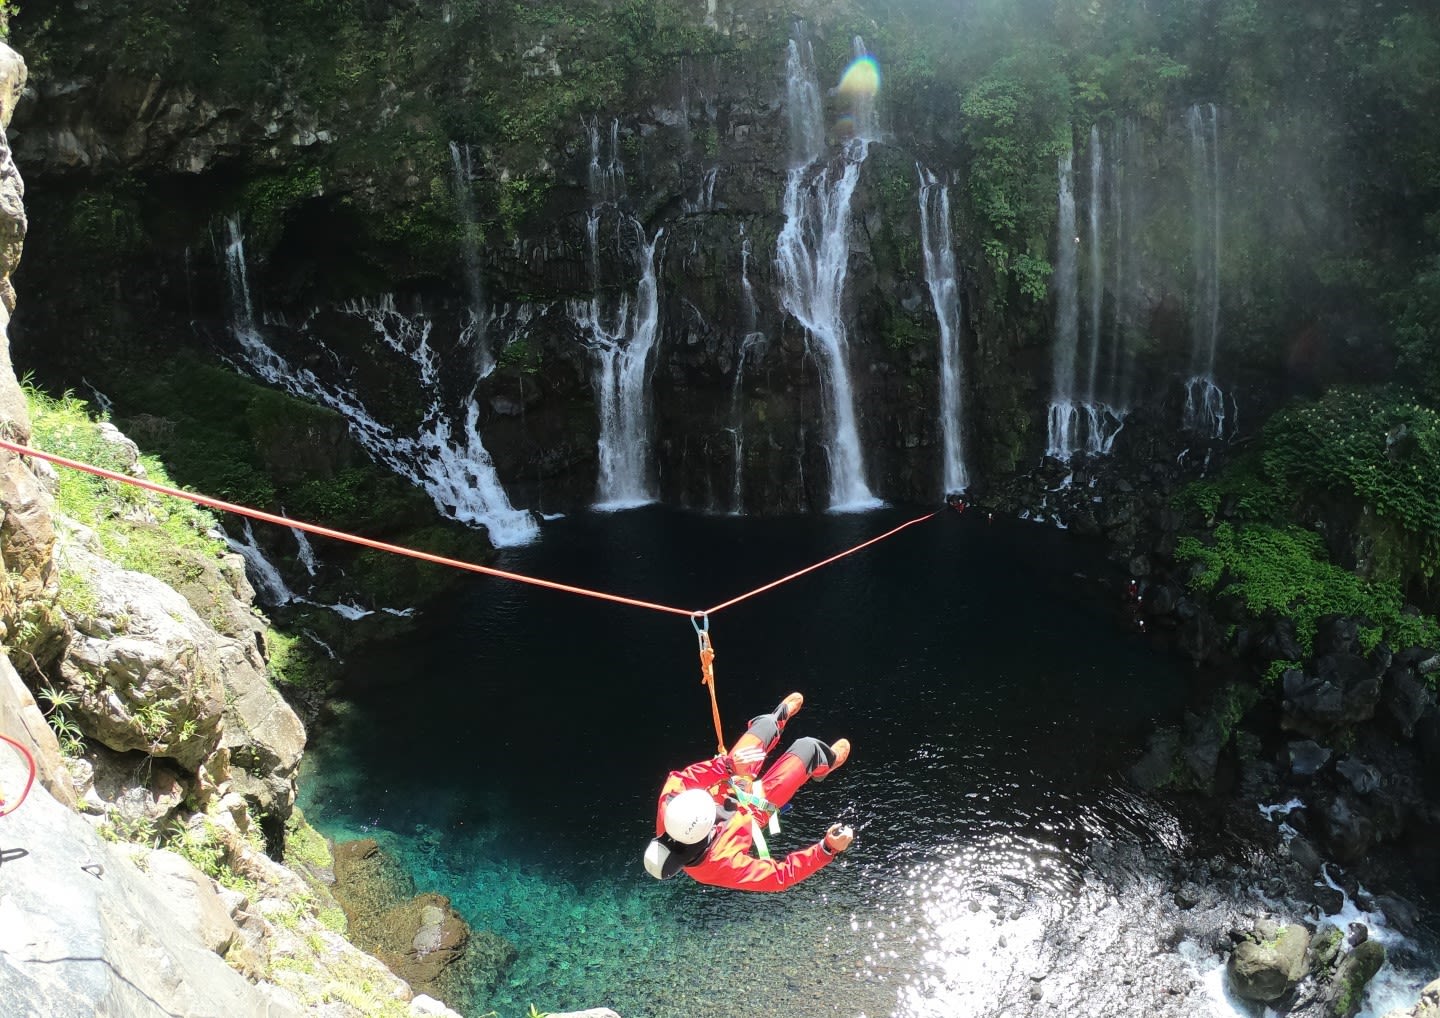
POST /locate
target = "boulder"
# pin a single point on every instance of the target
(144, 668)
(1356, 969)
(1307, 758)
(1405, 698)
(1269, 961)
(1362, 777)
(152, 675)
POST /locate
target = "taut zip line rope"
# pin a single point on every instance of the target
(707, 653)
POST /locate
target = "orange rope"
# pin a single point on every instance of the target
(395, 549)
(817, 565)
(707, 678)
(339, 535)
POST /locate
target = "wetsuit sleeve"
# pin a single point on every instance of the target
(744, 872)
(698, 775)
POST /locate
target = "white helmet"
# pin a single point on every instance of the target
(689, 816)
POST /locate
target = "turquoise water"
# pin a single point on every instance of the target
(510, 755)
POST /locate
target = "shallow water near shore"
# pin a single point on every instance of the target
(510, 754)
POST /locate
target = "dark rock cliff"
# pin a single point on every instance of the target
(453, 156)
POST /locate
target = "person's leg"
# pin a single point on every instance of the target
(750, 750)
(805, 758)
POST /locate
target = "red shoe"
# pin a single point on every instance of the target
(841, 750)
(789, 707)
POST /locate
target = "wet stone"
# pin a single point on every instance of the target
(1307, 758)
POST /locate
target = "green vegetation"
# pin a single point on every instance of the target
(141, 531)
(1379, 450)
(1284, 571)
(62, 722)
(1367, 461)
(1017, 123)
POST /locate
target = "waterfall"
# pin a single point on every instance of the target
(304, 549)
(269, 585)
(812, 257)
(1124, 200)
(1061, 440)
(737, 418)
(620, 339)
(943, 280)
(749, 310)
(705, 196)
(621, 347)
(1096, 267)
(460, 480)
(1204, 401)
(1086, 417)
(607, 172)
(803, 103)
(475, 328)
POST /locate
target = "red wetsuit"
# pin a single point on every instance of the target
(728, 862)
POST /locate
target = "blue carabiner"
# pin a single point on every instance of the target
(699, 629)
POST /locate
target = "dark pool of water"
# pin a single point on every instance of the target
(512, 751)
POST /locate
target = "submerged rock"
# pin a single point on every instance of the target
(420, 937)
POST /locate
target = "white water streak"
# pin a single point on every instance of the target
(621, 344)
(943, 280)
(461, 481)
(812, 257)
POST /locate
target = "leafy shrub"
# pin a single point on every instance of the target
(1377, 448)
(1284, 571)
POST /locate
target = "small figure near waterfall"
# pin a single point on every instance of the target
(711, 814)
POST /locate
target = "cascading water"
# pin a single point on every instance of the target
(1095, 268)
(607, 172)
(476, 332)
(750, 311)
(1086, 417)
(812, 257)
(460, 479)
(1205, 403)
(943, 279)
(749, 316)
(1061, 439)
(621, 343)
(705, 195)
(737, 421)
(270, 586)
(305, 550)
(1124, 201)
(620, 339)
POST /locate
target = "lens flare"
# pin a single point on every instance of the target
(861, 79)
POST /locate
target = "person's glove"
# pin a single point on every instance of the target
(837, 839)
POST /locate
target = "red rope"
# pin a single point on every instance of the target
(339, 535)
(395, 549)
(817, 565)
(30, 780)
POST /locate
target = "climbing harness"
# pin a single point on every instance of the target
(699, 619)
(750, 796)
(29, 778)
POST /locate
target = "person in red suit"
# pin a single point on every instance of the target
(713, 813)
